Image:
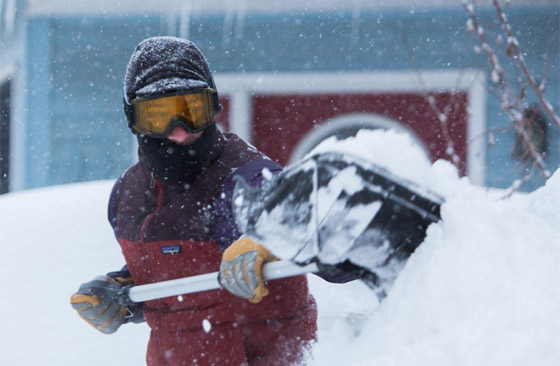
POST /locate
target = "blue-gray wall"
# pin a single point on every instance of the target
(75, 126)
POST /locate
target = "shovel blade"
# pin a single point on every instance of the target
(340, 212)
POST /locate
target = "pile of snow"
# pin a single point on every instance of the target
(398, 153)
(481, 290)
(52, 240)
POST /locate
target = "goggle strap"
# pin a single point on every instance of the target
(216, 99)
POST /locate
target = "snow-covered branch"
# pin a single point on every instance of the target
(510, 102)
(513, 47)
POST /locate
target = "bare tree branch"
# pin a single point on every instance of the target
(509, 103)
(513, 45)
(514, 187)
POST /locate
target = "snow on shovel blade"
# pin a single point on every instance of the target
(340, 212)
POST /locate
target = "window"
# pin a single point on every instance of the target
(4, 136)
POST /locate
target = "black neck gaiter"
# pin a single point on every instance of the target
(179, 163)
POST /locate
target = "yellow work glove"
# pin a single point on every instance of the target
(241, 269)
(105, 315)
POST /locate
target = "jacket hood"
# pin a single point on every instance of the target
(160, 65)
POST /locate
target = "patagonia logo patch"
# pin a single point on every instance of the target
(171, 249)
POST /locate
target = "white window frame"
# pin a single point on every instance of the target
(350, 120)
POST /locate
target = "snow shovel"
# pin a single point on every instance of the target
(330, 213)
(342, 213)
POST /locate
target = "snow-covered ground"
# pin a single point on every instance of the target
(483, 289)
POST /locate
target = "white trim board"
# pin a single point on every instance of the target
(346, 82)
(240, 7)
(240, 86)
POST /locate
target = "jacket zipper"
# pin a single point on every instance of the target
(153, 180)
(154, 185)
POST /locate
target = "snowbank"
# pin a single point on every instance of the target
(51, 240)
(482, 289)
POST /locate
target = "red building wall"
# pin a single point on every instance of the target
(281, 121)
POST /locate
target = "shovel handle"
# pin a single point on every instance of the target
(209, 281)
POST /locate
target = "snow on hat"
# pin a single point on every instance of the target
(164, 64)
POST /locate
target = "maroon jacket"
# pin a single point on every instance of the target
(168, 230)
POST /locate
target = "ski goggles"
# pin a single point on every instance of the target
(158, 115)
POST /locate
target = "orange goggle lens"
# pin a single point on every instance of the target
(157, 116)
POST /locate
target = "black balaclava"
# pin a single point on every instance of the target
(180, 163)
(161, 65)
